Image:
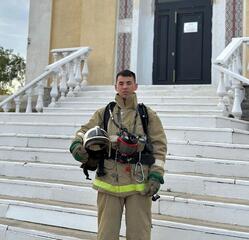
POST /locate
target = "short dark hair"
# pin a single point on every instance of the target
(126, 73)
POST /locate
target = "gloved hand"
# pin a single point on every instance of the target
(153, 185)
(78, 151)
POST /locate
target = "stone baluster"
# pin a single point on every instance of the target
(77, 76)
(238, 63)
(6, 107)
(228, 86)
(17, 103)
(238, 97)
(67, 67)
(84, 74)
(40, 93)
(29, 100)
(71, 82)
(63, 82)
(221, 91)
(54, 90)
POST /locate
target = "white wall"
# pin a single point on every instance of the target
(218, 33)
(146, 38)
(39, 37)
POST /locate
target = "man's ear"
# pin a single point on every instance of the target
(136, 86)
(116, 87)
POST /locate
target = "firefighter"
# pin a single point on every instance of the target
(132, 166)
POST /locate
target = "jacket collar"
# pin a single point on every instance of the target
(129, 103)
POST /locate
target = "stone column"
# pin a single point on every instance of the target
(38, 38)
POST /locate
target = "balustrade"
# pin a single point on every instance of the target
(231, 83)
(68, 76)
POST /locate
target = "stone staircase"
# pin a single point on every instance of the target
(44, 195)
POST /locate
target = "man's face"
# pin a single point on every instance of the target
(125, 86)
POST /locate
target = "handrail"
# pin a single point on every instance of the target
(52, 68)
(232, 74)
(228, 51)
(69, 58)
(230, 88)
(26, 87)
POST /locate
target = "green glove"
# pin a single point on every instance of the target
(78, 151)
(153, 185)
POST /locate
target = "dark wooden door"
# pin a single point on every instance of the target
(182, 42)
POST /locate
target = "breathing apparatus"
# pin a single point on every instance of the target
(129, 143)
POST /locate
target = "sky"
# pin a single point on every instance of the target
(14, 25)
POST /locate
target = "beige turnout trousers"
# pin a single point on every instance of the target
(137, 215)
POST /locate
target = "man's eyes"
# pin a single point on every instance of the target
(127, 83)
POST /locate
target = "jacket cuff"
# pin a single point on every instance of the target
(156, 176)
(158, 166)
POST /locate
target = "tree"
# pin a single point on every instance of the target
(12, 68)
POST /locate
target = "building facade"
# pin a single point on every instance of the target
(164, 41)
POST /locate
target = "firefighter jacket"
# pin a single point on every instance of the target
(124, 179)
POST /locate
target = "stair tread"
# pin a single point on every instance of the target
(147, 103)
(163, 219)
(65, 205)
(83, 235)
(35, 135)
(159, 110)
(214, 144)
(202, 223)
(207, 198)
(219, 178)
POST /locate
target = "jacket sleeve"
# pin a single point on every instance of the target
(95, 120)
(158, 140)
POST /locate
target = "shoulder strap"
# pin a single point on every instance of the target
(144, 116)
(142, 110)
(110, 106)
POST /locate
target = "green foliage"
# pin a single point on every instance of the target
(12, 67)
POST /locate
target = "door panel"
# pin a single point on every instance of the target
(189, 48)
(163, 34)
(182, 42)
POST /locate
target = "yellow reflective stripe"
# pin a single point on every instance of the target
(119, 189)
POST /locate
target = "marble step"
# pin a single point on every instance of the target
(211, 185)
(41, 171)
(63, 140)
(181, 111)
(37, 155)
(20, 230)
(145, 99)
(168, 120)
(143, 87)
(71, 216)
(163, 91)
(81, 191)
(211, 209)
(174, 164)
(155, 106)
(226, 151)
(197, 206)
(212, 166)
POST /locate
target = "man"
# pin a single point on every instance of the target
(130, 177)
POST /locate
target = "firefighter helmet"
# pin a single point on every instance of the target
(96, 139)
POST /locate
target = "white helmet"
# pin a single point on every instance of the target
(96, 139)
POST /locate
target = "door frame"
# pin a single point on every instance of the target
(169, 8)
